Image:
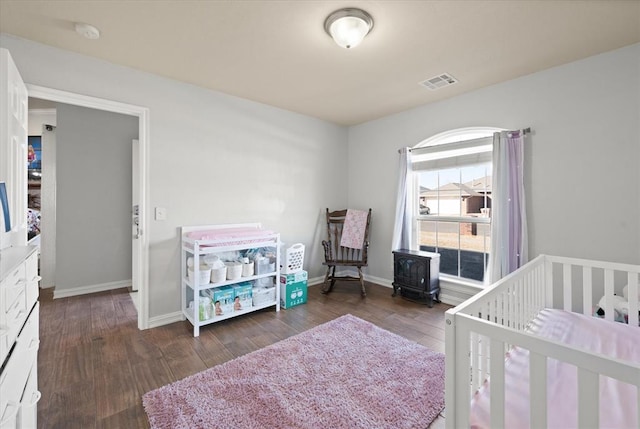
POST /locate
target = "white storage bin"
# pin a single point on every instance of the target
(292, 259)
(247, 269)
(263, 295)
(265, 282)
(218, 274)
(234, 270)
(204, 276)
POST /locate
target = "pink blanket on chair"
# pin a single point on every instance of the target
(355, 225)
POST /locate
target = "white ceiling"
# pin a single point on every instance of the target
(277, 53)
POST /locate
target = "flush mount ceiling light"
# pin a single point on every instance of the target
(348, 26)
(87, 30)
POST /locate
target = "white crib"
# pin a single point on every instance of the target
(482, 329)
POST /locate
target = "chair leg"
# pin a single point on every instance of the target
(333, 278)
(328, 287)
(363, 292)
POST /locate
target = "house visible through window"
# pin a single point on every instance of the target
(452, 177)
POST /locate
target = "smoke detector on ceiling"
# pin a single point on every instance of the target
(88, 31)
(440, 81)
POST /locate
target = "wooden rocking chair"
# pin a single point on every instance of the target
(336, 255)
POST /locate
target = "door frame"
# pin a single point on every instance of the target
(48, 207)
(142, 113)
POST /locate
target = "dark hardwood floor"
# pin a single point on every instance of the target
(94, 364)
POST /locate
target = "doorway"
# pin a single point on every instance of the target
(140, 242)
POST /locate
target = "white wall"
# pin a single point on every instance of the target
(213, 158)
(221, 159)
(93, 197)
(37, 119)
(40, 117)
(582, 159)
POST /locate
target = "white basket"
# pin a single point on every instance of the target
(263, 296)
(293, 259)
(234, 270)
(203, 276)
(219, 274)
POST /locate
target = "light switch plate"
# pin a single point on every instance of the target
(161, 213)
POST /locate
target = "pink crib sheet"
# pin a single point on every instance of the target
(618, 400)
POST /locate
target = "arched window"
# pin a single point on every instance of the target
(452, 185)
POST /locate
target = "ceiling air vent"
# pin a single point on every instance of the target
(440, 81)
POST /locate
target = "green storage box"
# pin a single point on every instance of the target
(293, 289)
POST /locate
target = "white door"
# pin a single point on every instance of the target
(136, 215)
(13, 146)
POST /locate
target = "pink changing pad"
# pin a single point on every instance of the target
(618, 400)
(230, 236)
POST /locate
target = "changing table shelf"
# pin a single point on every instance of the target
(225, 241)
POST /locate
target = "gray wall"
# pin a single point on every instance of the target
(93, 231)
(213, 158)
(582, 180)
(220, 159)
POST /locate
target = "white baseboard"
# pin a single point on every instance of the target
(353, 273)
(448, 299)
(379, 281)
(315, 281)
(450, 293)
(82, 290)
(165, 319)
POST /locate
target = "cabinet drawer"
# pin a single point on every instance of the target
(31, 267)
(12, 322)
(15, 276)
(32, 291)
(13, 378)
(12, 287)
(29, 338)
(28, 413)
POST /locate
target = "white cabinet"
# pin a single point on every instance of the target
(19, 337)
(207, 296)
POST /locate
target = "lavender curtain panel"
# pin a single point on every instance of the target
(509, 219)
(404, 207)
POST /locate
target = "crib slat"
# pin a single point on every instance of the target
(588, 405)
(521, 310)
(512, 310)
(632, 292)
(540, 288)
(566, 286)
(608, 294)
(476, 377)
(539, 291)
(484, 356)
(538, 390)
(497, 384)
(587, 294)
(548, 284)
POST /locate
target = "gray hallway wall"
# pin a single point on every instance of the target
(93, 197)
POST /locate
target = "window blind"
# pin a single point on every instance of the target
(450, 155)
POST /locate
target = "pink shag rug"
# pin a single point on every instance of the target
(346, 373)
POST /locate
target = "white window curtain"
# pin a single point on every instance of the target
(509, 240)
(404, 203)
